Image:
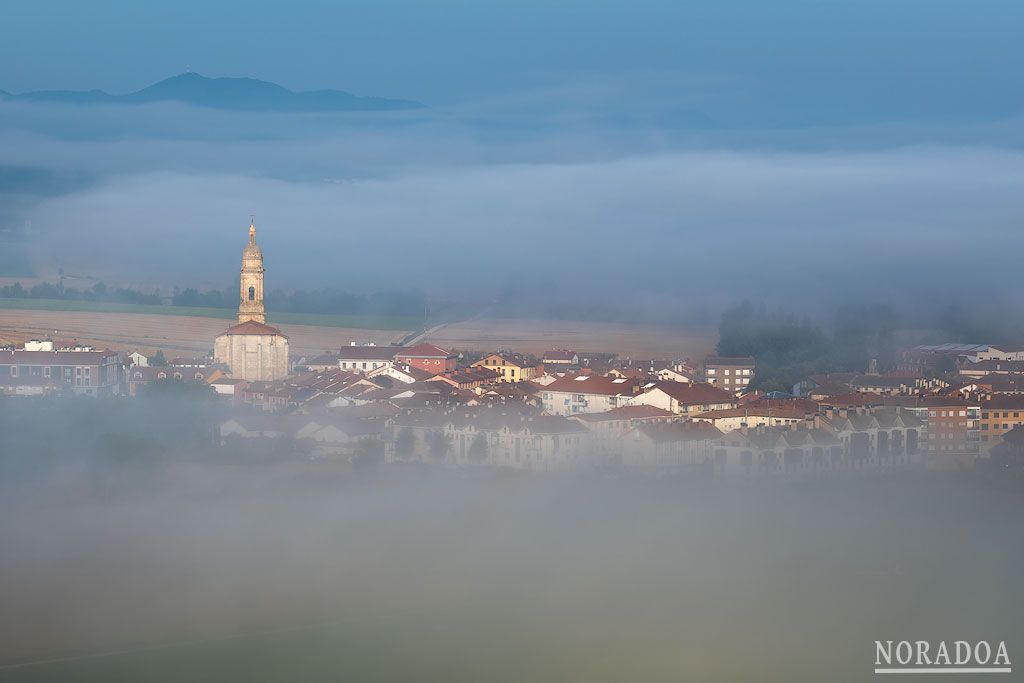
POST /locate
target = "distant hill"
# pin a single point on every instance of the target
(248, 94)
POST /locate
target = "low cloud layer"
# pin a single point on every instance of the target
(714, 220)
(538, 195)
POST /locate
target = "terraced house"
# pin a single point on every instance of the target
(87, 373)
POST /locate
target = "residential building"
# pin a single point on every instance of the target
(614, 423)
(560, 358)
(575, 394)
(766, 412)
(732, 374)
(1003, 352)
(684, 399)
(405, 374)
(490, 436)
(136, 358)
(367, 358)
(429, 357)
(992, 367)
(999, 415)
(139, 376)
(89, 373)
(679, 446)
(678, 372)
(468, 378)
(511, 367)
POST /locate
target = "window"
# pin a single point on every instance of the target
(14, 371)
(252, 294)
(46, 372)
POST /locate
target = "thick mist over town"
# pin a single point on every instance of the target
(513, 341)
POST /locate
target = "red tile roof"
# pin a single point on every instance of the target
(592, 384)
(776, 410)
(425, 351)
(668, 432)
(253, 327)
(639, 412)
(369, 352)
(695, 394)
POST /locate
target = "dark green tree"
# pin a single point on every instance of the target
(404, 442)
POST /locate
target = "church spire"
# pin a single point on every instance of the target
(250, 306)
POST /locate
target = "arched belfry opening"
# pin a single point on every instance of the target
(251, 306)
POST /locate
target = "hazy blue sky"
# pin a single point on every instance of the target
(917, 54)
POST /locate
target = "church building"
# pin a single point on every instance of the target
(253, 350)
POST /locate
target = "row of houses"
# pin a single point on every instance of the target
(521, 436)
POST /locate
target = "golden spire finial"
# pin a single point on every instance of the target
(252, 229)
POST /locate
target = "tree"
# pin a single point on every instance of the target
(478, 449)
(176, 389)
(369, 453)
(127, 448)
(157, 360)
(404, 442)
(440, 444)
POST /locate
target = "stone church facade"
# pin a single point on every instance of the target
(252, 350)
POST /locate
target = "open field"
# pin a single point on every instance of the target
(175, 334)
(370, 322)
(181, 329)
(538, 336)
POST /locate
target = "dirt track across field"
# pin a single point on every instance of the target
(178, 335)
(538, 336)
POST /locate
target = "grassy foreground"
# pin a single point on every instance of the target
(368, 322)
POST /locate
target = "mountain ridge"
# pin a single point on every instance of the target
(245, 94)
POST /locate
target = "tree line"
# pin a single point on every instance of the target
(327, 301)
(787, 347)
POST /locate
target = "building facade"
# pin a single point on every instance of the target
(253, 350)
(428, 357)
(511, 368)
(733, 374)
(89, 373)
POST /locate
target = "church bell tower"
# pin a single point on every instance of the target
(251, 305)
